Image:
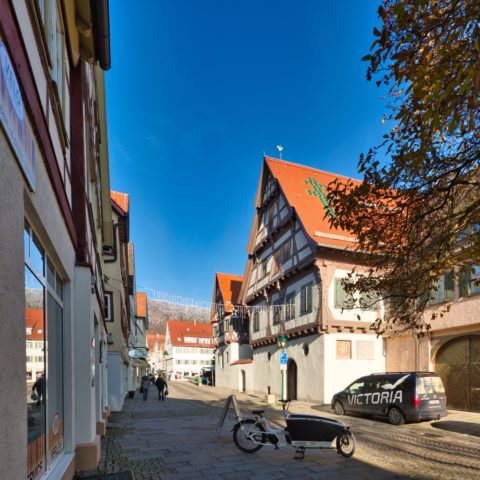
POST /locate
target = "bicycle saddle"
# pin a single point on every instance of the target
(257, 412)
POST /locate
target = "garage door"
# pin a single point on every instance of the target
(458, 363)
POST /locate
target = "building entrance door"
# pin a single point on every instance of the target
(458, 363)
(243, 381)
(292, 380)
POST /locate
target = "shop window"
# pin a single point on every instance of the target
(44, 357)
(306, 299)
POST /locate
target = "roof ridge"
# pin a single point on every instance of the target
(306, 167)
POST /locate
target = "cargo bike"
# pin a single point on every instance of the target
(302, 432)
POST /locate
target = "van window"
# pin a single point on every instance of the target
(427, 385)
(356, 387)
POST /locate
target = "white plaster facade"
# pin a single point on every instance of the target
(42, 440)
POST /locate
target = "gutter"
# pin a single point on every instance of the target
(101, 32)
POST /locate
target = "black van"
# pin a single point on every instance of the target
(401, 396)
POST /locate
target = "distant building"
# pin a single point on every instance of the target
(233, 354)
(156, 349)
(292, 286)
(117, 301)
(189, 348)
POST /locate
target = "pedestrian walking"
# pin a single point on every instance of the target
(161, 384)
(39, 387)
(145, 385)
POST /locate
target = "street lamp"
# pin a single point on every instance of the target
(282, 341)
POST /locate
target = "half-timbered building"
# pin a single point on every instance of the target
(233, 354)
(292, 287)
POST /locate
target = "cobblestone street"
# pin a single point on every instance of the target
(176, 440)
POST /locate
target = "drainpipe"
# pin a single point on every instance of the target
(101, 32)
(114, 259)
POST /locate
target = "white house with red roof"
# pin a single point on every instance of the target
(292, 286)
(233, 354)
(189, 348)
(156, 349)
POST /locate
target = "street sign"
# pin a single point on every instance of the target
(283, 360)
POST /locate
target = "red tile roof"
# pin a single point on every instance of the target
(243, 361)
(179, 329)
(229, 286)
(141, 305)
(34, 323)
(155, 340)
(304, 190)
(121, 199)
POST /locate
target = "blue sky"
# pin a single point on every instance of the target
(199, 90)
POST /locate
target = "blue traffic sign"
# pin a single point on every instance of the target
(283, 358)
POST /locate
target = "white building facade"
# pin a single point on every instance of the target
(189, 348)
(233, 354)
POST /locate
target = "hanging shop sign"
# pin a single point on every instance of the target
(14, 119)
(137, 353)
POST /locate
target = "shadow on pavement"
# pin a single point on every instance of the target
(458, 427)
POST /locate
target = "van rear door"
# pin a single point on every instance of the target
(430, 395)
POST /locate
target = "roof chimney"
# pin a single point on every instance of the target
(194, 321)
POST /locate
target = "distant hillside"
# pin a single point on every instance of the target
(160, 311)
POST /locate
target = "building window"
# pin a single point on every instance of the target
(444, 290)
(343, 300)
(108, 306)
(468, 281)
(277, 310)
(344, 349)
(53, 39)
(365, 350)
(369, 301)
(290, 306)
(44, 356)
(306, 299)
(256, 321)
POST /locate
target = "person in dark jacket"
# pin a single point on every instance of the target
(161, 384)
(39, 387)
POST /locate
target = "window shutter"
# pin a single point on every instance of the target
(303, 299)
(309, 297)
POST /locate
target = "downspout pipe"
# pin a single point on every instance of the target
(101, 32)
(115, 252)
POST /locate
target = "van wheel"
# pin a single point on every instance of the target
(395, 416)
(338, 408)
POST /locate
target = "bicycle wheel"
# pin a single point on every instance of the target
(346, 444)
(252, 428)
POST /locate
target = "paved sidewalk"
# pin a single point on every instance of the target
(176, 440)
